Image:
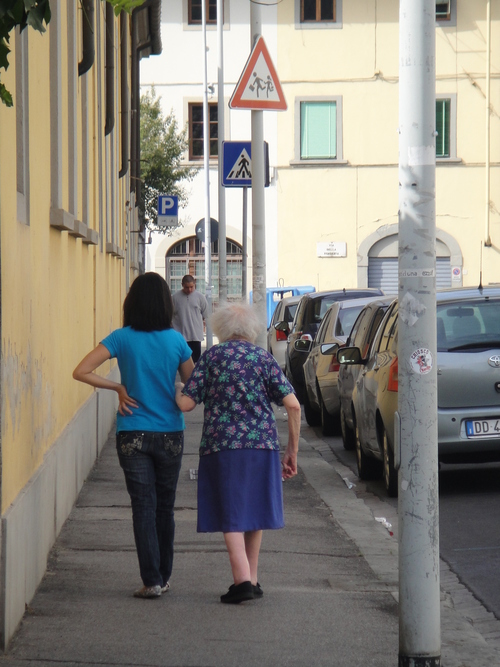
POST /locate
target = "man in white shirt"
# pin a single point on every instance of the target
(190, 308)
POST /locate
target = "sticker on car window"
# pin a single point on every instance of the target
(421, 361)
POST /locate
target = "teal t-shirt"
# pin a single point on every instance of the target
(148, 363)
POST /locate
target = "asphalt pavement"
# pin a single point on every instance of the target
(329, 580)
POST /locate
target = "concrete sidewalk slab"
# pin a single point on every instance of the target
(329, 580)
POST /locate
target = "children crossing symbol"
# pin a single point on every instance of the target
(259, 87)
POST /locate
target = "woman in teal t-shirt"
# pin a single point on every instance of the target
(150, 426)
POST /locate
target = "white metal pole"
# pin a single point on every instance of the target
(258, 203)
(206, 166)
(220, 124)
(419, 593)
(244, 260)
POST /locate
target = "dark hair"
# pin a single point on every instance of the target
(148, 306)
(187, 280)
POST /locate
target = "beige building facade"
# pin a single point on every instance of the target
(332, 205)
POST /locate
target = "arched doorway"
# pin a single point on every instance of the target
(188, 257)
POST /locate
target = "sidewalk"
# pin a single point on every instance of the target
(329, 580)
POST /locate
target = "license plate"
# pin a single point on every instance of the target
(483, 428)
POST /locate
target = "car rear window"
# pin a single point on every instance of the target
(468, 324)
(290, 312)
(346, 319)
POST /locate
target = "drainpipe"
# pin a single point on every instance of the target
(88, 37)
(487, 241)
(110, 69)
(124, 95)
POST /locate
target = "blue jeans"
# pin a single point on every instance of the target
(151, 463)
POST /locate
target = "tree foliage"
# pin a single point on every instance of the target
(34, 13)
(163, 146)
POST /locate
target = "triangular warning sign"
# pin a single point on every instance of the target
(242, 168)
(259, 87)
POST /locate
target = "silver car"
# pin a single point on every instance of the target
(277, 338)
(321, 368)
(468, 359)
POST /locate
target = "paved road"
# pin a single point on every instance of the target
(469, 520)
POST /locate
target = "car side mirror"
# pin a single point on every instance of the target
(349, 355)
(282, 326)
(302, 345)
(329, 348)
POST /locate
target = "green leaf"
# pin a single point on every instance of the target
(4, 52)
(5, 96)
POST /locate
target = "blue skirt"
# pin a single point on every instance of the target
(240, 490)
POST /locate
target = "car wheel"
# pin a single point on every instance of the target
(390, 473)
(313, 418)
(328, 423)
(348, 437)
(368, 467)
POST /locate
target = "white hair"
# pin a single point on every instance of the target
(236, 320)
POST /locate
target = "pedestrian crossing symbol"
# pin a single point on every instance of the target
(241, 170)
(259, 87)
(237, 164)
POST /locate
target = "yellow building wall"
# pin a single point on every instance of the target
(349, 202)
(59, 295)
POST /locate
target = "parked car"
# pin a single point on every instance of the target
(277, 338)
(321, 368)
(468, 359)
(362, 334)
(308, 316)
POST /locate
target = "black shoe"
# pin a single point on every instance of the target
(238, 593)
(257, 591)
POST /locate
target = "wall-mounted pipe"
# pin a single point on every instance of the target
(487, 166)
(88, 53)
(124, 94)
(110, 69)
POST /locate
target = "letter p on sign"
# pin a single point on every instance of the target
(168, 210)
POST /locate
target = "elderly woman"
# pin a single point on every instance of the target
(240, 474)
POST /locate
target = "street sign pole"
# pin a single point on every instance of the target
(258, 203)
(416, 446)
(206, 167)
(220, 129)
(244, 259)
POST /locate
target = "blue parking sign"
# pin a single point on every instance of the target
(168, 210)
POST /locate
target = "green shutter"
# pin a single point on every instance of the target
(318, 130)
(443, 128)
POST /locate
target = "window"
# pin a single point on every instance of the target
(443, 128)
(446, 127)
(318, 14)
(317, 10)
(446, 13)
(196, 131)
(319, 129)
(195, 8)
(443, 11)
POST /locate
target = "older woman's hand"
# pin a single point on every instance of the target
(289, 465)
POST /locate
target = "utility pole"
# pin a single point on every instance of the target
(419, 584)
(206, 167)
(258, 203)
(220, 139)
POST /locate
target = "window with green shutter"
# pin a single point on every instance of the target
(318, 130)
(443, 108)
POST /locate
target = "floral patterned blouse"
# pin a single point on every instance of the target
(237, 381)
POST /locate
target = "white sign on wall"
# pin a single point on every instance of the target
(332, 249)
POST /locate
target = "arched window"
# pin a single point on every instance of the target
(188, 257)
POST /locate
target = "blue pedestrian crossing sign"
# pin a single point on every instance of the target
(168, 210)
(237, 164)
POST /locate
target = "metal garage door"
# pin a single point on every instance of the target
(383, 273)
